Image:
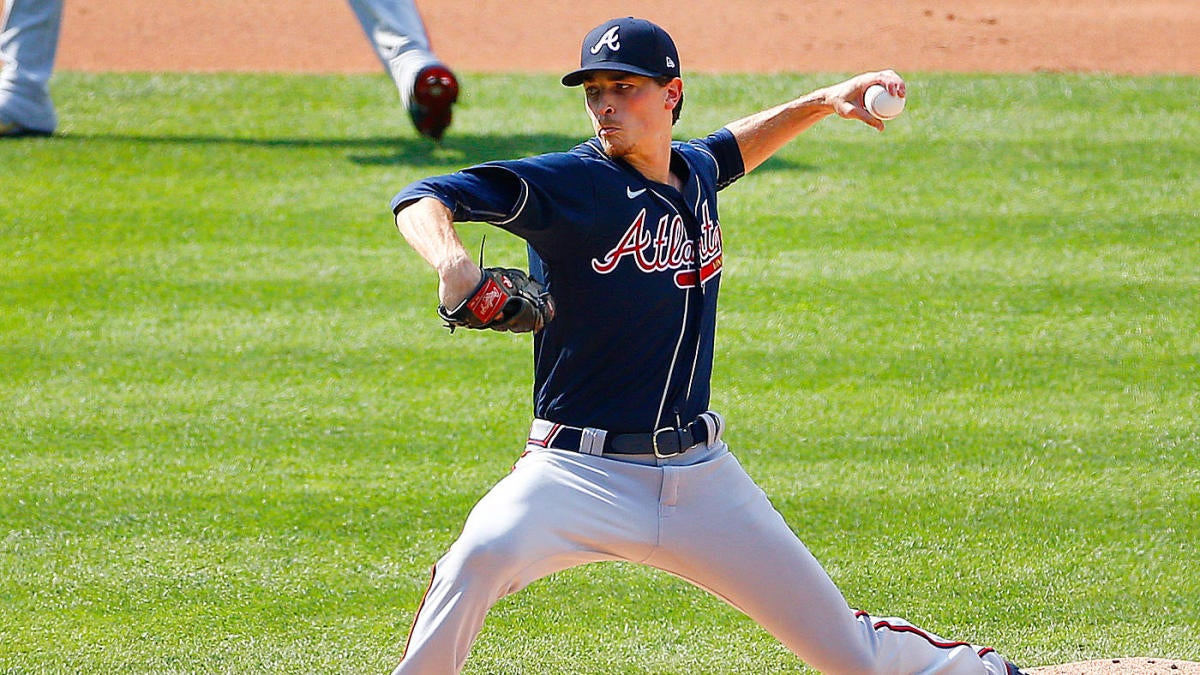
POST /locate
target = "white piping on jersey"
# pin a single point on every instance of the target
(695, 360)
(713, 158)
(687, 304)
(687, 301)
(699, 284)
(721, 183)
(522, 202)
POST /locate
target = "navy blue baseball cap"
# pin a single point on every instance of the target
(627, 45)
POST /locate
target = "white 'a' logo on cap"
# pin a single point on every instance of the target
(610, 38)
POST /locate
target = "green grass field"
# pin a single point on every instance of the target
(963, 358)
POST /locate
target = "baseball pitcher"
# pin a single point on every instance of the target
(625, 459)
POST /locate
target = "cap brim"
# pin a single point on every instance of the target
(576, 77)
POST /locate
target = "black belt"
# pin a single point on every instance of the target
(666, 442)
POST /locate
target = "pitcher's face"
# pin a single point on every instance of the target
(629, 111)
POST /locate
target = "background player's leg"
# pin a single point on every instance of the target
(28, 43)
(427, 87)
(742, 550)
(547, 515)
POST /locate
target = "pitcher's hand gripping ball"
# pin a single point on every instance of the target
(505, 300)
(881, 104)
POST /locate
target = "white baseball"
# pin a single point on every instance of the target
(881, 104)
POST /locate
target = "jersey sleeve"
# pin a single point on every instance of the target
(480, 194)
(722, 150)
(543, 199)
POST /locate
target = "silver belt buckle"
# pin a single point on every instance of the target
(654, 442)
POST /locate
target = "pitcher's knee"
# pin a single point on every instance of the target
(481, 559)
(853, 662)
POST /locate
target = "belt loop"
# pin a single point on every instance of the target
(542, 433)
(715, 424)
(591, 441)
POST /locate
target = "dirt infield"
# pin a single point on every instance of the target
(1136, 666)
(1116, 36)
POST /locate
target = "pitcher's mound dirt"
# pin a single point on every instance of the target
(1130, 666)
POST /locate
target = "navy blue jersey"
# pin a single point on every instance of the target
(634, 267)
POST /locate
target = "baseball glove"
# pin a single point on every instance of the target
(505, 300)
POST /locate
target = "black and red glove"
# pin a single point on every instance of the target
(505, 300)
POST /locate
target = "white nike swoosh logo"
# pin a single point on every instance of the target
(633, 194)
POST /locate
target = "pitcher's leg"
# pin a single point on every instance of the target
(28, 43)
(427, 87)
(905, 648)
(552, 512)
(473, 575)
(740, 548)
(395, 30)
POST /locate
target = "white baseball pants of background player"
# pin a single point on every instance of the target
(31, 29)
(398, 34)
(698, 516)
(28, 42)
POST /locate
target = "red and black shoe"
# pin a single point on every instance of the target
(434, 93)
